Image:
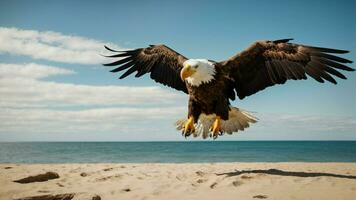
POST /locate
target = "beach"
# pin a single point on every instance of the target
(263, 180)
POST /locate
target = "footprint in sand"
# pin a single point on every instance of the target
(126, 190)
(201, 180)
(246, 177)
(181, 177)
(237, 183)
(200, 173)
(260, 196)
(117, 176)
(108, 169)
(60, 185)
(43, 191)
(83, 174)
(212, 186)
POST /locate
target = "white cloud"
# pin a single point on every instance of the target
(311, 123)
(89, 120)
(51, 46)
(21, 86)
(30, 71)
(30, 103)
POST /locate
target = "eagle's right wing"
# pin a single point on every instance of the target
(163, 64)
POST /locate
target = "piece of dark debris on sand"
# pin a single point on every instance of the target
(67, 196)
(38, 178)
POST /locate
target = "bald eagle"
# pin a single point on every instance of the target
(211, 85)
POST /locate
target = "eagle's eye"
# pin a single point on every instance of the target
(195, 66)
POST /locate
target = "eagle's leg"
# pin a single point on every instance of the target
(216, 127)
(189, 127)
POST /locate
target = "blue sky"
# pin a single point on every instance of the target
(49, 49)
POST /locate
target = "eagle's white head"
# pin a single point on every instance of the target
(197, 71)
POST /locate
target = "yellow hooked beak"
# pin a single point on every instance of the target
(186, 72)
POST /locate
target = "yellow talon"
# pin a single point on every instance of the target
(189, 127)
(216, 128)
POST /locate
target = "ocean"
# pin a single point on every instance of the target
(178, 152)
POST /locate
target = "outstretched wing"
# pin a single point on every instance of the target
(163, 64)
(267, 63)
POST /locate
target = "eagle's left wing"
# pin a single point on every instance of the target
(267, 63)
(163, 64)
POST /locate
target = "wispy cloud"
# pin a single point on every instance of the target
(89, 120)
(30, 71)
(31, 103)
(21, 86)
(51, 46)
(310, 123)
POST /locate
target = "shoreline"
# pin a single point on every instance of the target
(172, 163)
(228, 180)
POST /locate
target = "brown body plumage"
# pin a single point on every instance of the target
(263, 64)
(211, 98)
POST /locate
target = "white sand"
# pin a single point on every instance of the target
(185, 181)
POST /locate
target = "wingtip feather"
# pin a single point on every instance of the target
(107, 64)
(106, 47)
(283, 40)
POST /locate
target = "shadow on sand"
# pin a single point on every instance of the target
(285, 173)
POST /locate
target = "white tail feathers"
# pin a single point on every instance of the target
(238, 120)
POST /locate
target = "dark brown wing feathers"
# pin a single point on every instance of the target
(267, 63)
(163, 64)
